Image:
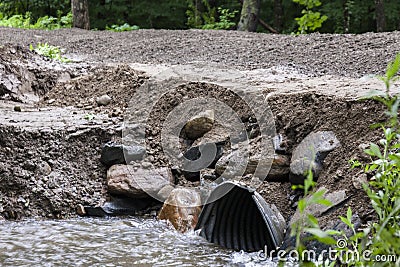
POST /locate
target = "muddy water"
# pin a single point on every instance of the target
(110, 242)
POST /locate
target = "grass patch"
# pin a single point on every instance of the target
(49, 51)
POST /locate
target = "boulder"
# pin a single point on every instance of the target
(131, 181)
(197, 126)
(311, 152)
(279, 170)
(182, 209)
(114, 153)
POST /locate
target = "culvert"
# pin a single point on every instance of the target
(240, 219)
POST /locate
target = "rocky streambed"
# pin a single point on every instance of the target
(64, 151)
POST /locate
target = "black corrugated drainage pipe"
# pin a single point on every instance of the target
(241, 219)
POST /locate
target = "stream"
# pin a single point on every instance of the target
(129, 241)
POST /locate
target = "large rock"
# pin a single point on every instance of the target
(197, 126)
(113, 153)
(311, 152)
(131, 181)
(279, 170)
(182, 209)
(336, 198)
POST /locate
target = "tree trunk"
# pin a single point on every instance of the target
(380, 15)
(249, 16)
(278, 11)
(346, 16)
(80, 14)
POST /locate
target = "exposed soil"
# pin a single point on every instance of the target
(316, 54)
(118, 82)
(48, 168)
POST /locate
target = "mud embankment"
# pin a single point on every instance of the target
(50, 150)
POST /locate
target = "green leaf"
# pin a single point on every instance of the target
(393, 67)
(346, 221)
(325, 202)
(321, 236)
(374, 151)
(349, 214)
(313, 221)
(302, 205)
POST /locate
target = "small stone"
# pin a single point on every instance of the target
(17, 108)
(103, 100)
(359, 180)
(88, 107)
(114, 153)
(80, 209)
(197, 126)
(51, 101)
(43, 168)
(153, 213)
(146, 165)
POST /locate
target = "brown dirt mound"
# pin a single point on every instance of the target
(350, 55)
(74, 175)
(119, 82)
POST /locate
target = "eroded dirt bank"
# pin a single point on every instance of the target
(50, 151)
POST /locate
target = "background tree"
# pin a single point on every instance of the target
(249, 16)
(80, 14)
(278, 12)
(380, 16)
(344, 16)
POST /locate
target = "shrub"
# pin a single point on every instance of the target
(49, 51)
(122, 28)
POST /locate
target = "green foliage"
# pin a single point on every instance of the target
(384, 188)
(383, 236)
(155, 14)
(45, 23)
(49, 51)
(352, 16)
(225, 20)
(307, 223)
(89, 116)
(37, 8)
(122, 28)
(311, 20)
(204, 16)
